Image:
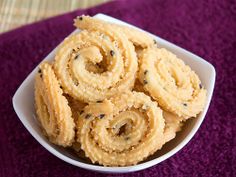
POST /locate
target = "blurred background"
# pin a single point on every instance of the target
(15, 13)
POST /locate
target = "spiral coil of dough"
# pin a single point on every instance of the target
(100, 62)
(121, 131)
(172, 83)
(52, 107)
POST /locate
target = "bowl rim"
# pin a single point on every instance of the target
(126, 169)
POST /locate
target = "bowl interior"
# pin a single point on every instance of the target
(26, 111)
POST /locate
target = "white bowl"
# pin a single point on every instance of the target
(23, 103)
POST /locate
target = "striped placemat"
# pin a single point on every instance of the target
(15, 13)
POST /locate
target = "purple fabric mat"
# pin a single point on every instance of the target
(207, 28)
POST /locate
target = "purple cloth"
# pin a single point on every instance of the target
(207, 28)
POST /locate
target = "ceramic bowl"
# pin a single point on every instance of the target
(23, 103)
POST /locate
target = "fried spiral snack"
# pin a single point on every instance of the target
(52, 107)
(122, 131)
(100, 62)
(172, 83)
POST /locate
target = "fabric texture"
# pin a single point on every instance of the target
(206, 28)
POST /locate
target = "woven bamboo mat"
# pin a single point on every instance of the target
(15, 13)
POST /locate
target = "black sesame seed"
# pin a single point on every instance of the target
(81, 18)
(81, 112)
(73, 50)
(99, 101)
(60, 86)
(155, 42)
(39, 71)
(41, 75)
(112, 53)
(101, 116)
(200, 86)
(145, 82)
(88, 116)
(185, 104)
(145, 72)
(76, 57)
